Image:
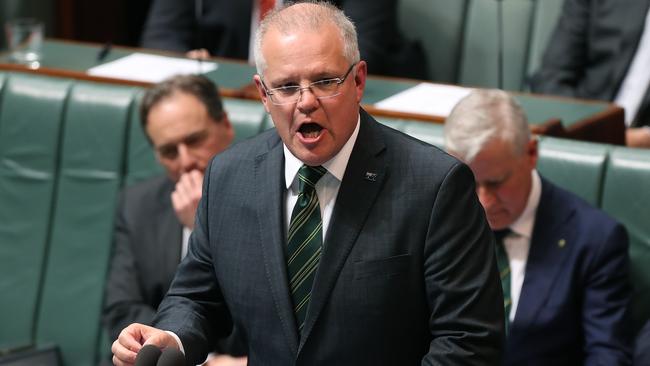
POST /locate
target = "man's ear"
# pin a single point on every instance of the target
(360, 79)
(532, 151)
(260, 89)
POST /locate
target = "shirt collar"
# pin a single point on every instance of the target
(335, 166)
(524, 224)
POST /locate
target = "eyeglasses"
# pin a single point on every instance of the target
(322, 89)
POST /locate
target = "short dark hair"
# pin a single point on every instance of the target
(199, 86)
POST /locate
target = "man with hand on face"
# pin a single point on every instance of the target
(563, 263)
(331, 239)
(184, 120)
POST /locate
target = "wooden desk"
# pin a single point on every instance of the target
(555, 116)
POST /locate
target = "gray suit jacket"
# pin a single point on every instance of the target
(146, 252)
(407, 275)
(591, 49)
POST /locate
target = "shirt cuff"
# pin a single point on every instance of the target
(178, 340)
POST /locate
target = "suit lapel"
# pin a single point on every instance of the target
(549, 248)
(356, 195)
(269, 168)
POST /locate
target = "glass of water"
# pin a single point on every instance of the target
(24, 40)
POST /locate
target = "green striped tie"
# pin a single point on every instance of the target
(504, 270)
(304, 239)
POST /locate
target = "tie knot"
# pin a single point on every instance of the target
(500, 234)
(308, 176)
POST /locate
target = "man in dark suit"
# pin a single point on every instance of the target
(184, 120)
(331, 239)
(223, 28)
(599, 51)
(563, 263)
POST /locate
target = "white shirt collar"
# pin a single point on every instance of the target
(335, 166)
(525, 222)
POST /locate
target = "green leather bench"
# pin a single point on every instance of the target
(67, 147)
(454, 34)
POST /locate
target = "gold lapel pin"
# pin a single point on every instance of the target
(561, 243)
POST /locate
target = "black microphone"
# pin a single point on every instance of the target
(171, 357)
(148, 356)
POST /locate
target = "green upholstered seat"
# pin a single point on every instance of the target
(30, 122)
(247, 117)
(480, 52)
(88, 181)
(438, 25)
(140, 158)
(432, 133)
(574, 165)
(545, 15)
(395, 123)
(627, 198)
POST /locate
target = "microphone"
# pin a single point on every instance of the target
(171, 357)
(147, 356)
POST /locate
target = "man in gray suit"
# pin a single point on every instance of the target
(184, 120)
(600, 50)
(331, 239)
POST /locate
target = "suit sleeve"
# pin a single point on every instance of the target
(565, 58)
(606, 298)
(462, 283)
(170, 26)
(124, 302)
(194, 308)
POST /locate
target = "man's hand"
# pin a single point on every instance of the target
(637, 137)
(186, 197)
(134, 337)
(225, 360)
(199, 54)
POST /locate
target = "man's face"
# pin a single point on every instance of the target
(313, 129)
(184, 136)
(503, 181)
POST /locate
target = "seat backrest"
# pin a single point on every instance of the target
(31, 110)
(627, 198)
(574, 165)
(545, 16)
(140, 159)
(246, 116)
(89, 178)
(480, 53)
(432, 133)
(438, 25)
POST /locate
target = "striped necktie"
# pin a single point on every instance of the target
(304, 239)
(504, 271)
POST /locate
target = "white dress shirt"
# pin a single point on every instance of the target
(327, 188)
(637, 79)
(517, 243)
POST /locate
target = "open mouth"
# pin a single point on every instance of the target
(310, 130)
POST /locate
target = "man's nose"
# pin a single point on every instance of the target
(307, 101)
(485, 196)
(185, 158)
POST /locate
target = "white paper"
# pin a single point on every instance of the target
(425, 98)
(150, 68)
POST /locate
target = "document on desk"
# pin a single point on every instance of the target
(425, 98)
(150, 68)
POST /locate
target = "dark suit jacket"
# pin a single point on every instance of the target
(642, 346)
(223, 28)
(146, 253)
(589, 52)
(407, 275)
(572, 307)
